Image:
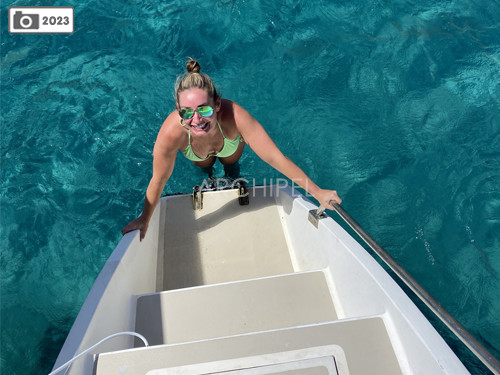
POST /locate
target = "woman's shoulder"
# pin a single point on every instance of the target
(229, 105)
(171, 133)
(232, 111)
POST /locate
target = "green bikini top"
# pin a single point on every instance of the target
(229, 148)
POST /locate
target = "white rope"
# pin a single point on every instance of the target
(96, 345)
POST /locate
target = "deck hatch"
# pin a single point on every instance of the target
(311, 366)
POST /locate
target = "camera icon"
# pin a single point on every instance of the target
(26, 21)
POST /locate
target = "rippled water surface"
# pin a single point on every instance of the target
(393, 103)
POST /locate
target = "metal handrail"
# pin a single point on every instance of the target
(458, 329)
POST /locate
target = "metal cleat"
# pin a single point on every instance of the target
(197, 198)
(243, 195)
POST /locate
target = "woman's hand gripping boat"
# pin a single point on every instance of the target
(223, 287)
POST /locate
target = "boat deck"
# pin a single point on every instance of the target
(235, 308)
(248, 290)
(222, 242)
(229, 293)
(353, 347)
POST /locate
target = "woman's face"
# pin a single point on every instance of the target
(193, 99)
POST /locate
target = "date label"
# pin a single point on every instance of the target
(41, 20)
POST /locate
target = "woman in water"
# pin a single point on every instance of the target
(205, 127)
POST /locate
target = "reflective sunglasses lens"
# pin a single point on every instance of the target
(205, 111)
(186, 113)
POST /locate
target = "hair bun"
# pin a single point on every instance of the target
(192, 66)
(194, 79)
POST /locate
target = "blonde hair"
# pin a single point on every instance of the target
(193, 78)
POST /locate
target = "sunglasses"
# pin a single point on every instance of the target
(204, 110)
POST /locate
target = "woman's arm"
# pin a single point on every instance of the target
(260, 142)
(164, 155)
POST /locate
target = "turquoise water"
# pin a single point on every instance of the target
(394, 104)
